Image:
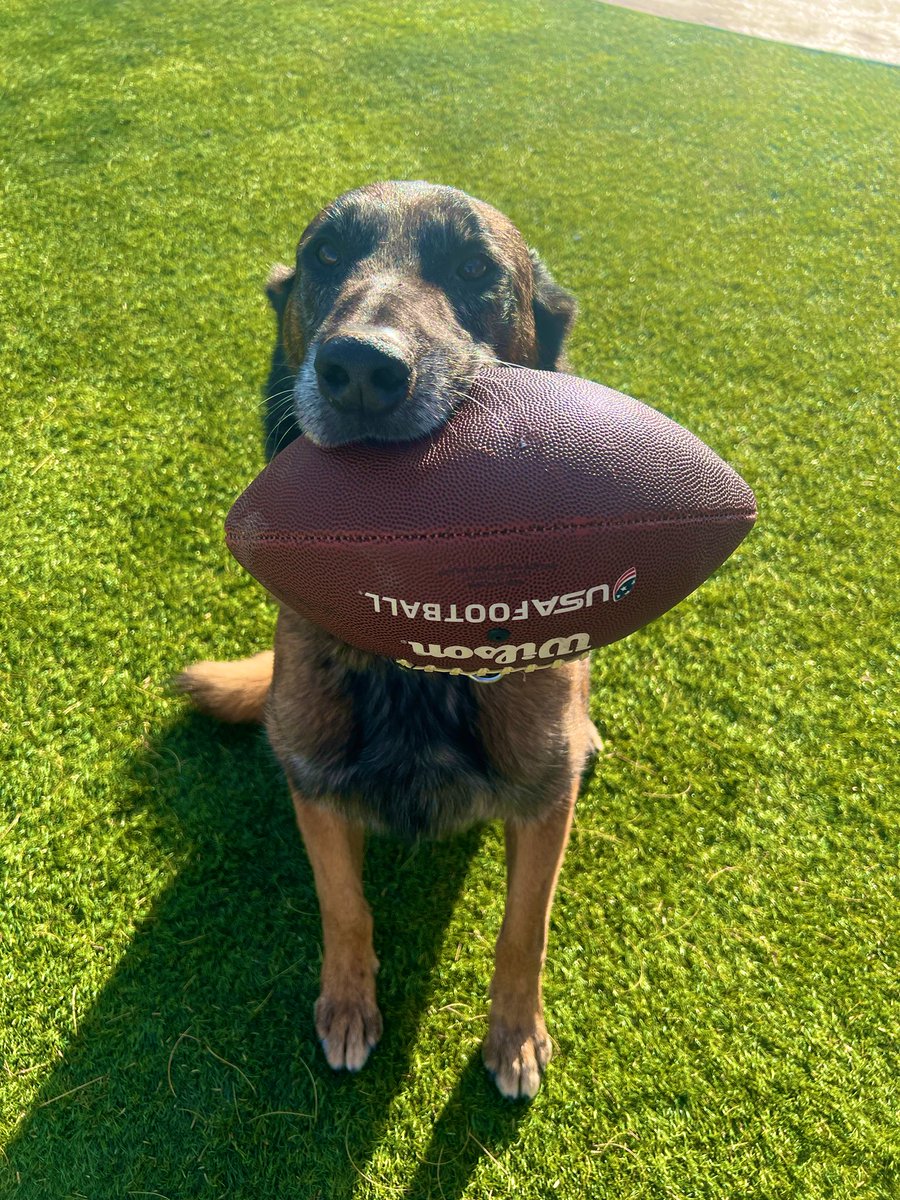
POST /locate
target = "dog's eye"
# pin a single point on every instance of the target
(473, 268)
(327, 254)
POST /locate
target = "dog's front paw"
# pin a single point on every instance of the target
(516, 1056)
(349, 1027)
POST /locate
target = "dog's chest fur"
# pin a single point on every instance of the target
(420, 754)
(413, 761)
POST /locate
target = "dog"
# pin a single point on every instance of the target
(400, 293)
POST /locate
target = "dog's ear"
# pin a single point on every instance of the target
(278, 287)
(555, 310)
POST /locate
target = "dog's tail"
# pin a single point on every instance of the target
(231, 691)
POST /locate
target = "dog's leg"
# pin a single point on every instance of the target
(517, 1048)
(347, 1018)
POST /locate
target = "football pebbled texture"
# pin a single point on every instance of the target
(548, 516)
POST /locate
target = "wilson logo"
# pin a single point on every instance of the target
(507, 656)
(501, 613)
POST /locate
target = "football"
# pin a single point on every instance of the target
(548, 516)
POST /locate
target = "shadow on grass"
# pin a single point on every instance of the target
(474, 1122)
(196, 1072)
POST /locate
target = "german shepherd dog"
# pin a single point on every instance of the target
(400, 293)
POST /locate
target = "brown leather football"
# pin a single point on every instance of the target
(549, 515)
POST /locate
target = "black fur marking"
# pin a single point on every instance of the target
(415, 763)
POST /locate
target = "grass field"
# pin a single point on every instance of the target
(722, 980)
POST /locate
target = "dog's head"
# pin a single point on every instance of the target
(400, 293)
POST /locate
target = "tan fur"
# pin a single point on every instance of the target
(347, 1018)
(517, 1048)
(235, 692)
(535, 715)
(307, 717)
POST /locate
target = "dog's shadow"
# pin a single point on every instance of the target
(196, 1070)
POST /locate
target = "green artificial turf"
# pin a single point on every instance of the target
(721, 982)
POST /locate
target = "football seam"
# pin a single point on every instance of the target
(446, 534)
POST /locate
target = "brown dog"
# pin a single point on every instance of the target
(401, 291)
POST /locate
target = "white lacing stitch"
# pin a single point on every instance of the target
(492, 676)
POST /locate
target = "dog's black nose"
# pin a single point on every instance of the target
(363, 375)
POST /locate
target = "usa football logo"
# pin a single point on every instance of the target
(625, 584)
